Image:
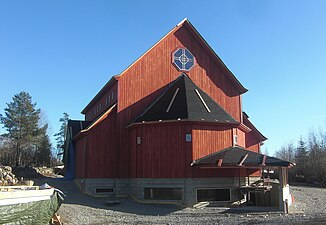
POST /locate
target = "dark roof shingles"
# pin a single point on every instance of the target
(187, 105)
(232, 157)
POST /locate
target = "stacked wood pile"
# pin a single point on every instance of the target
(7, 178)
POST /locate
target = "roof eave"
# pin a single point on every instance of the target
(240, 87)
(112, 80)
(183, 120)
(94, 123)
(257, 132)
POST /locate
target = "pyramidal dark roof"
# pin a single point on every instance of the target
(238, 156)
(183, 100)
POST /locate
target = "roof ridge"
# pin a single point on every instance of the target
(182, 21)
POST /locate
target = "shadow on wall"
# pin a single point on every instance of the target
(205, 60)
(75, 197)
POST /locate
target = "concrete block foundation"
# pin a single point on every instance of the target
(187, 188)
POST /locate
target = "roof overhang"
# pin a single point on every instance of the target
(238, 157)
(251, 126)
(100, 94)
(231, 76)
(217, 123)
(95, 122)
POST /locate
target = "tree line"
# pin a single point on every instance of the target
(309, 154)
(26, 141)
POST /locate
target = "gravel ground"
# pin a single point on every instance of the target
(309, 208)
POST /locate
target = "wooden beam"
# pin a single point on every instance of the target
(172, 100)
(219, 162)
(202, 100)
(242, 160)
(263, 163)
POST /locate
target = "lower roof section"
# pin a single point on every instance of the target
(75, 126)
(240, 157)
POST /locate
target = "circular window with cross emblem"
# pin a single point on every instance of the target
(183, 59)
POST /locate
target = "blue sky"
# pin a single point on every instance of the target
(63, 52)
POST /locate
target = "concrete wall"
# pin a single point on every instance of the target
(135, 187)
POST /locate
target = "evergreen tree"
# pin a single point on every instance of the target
(43, 148)
(21, 122)
(61, 135)
(315, 158)
(301, 159)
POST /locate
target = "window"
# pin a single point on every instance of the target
(214, 194)
(235, 139)
(163, 193)
(183, 59)
(112, 95)
(103, 190)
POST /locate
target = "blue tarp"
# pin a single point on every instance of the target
(70, 163)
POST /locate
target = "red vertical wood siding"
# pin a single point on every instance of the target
(96, 150)
(111, 95)
(146, 79)
(163, 152)
(241, 138)
(208, 139)
(252, 143)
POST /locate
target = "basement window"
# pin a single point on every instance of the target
(214, 194)
(104, 190)
(163, 193)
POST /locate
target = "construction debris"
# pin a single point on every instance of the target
(7, 178)
(21, 175)
(56, 220)
(30, 172)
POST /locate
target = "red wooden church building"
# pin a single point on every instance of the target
(170, 127)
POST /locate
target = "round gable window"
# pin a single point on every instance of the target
(183, 59)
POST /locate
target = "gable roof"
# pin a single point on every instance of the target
(237, 156)
(200, 38)
(186, 23)
(184, 100)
